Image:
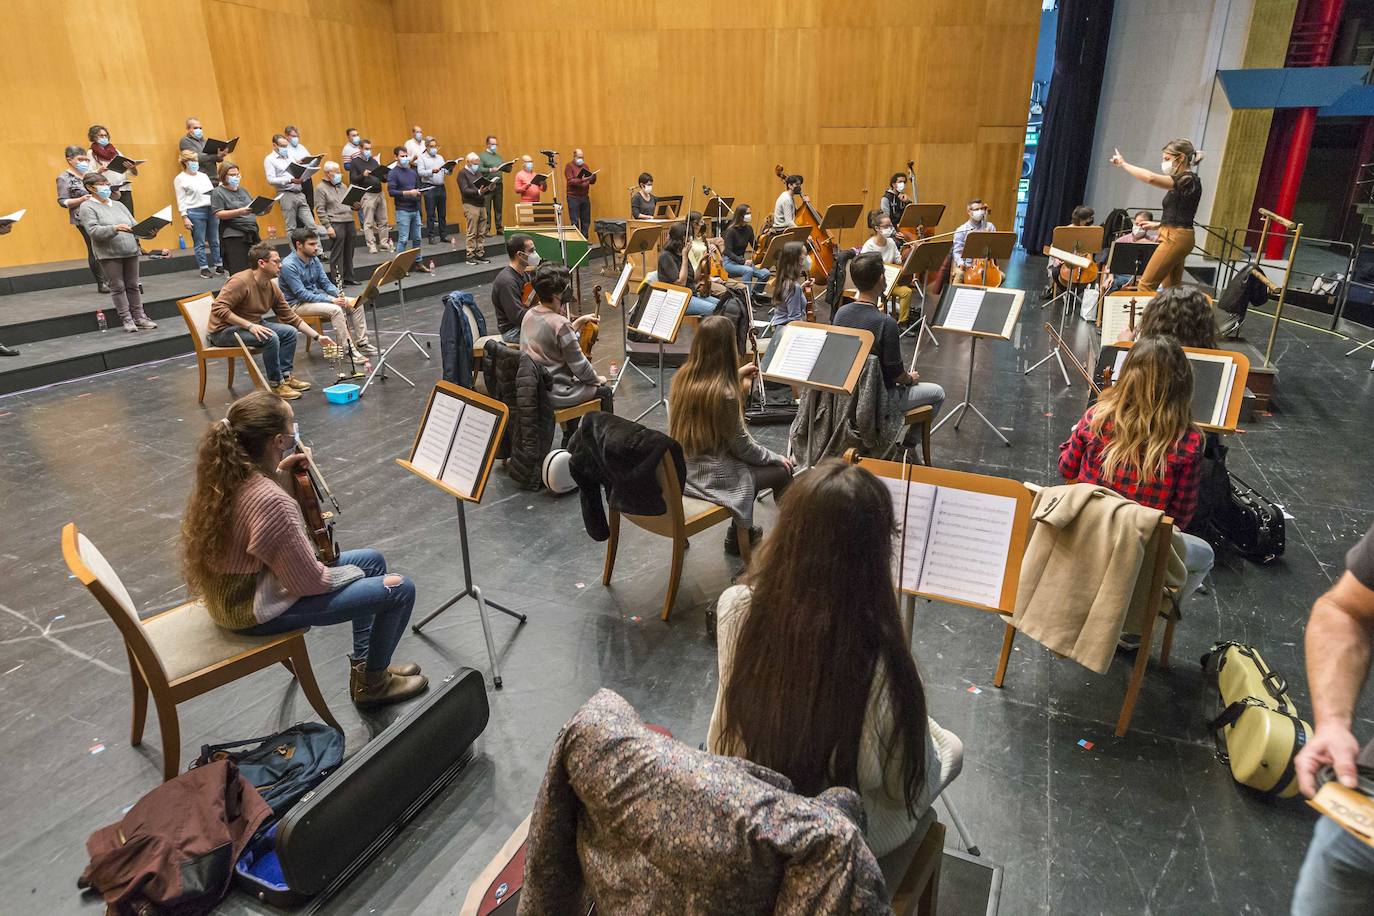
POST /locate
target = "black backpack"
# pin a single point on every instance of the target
(285, 766)
(1230, 510)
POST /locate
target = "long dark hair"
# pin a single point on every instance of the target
(677, 236)
(791, 272)
(822, 617)
(737, 218)
(1182, 312)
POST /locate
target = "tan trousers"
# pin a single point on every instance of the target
(475, 219)
(347, 321)
(1166, 264)
(375, 229)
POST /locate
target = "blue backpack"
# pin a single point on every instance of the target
(285, 766)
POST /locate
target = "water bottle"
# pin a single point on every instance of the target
(100, 320)
(181, 240)
(615, 371)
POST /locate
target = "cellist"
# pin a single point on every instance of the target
(977, 222)
(895, 199)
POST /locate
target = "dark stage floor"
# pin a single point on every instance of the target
(1148, 823)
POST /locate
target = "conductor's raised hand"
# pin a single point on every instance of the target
(1117, 158)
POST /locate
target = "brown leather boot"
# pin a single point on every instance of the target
(379, 688)
(356, 669)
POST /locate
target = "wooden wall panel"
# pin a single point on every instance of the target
(844, 91)
(720, 92)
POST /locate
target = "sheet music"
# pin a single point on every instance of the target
(661, 313)
(801, 347)
(465, 458)
(164, 214)
(1116, 315)
(623, 282)
(909, 548)
(433, 447)
(970, 535)
(1224, 399)
(14, 217)
(964, 305)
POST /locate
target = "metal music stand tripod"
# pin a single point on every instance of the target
(639, 243)
(1080, 241)
(925, 256)
(397, 268)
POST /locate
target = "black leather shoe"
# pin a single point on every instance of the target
(6, 351)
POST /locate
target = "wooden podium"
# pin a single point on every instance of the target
(454, 450)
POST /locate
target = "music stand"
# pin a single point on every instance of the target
(1080, 242)
(640, 242)
(661, 319)
(921, 217)
(822, 357)
(993, 316)
(920, 260)
(841, 217)
(1128, 258)
(464, 443)
(717, 209)
(396, 270)
(779, 239)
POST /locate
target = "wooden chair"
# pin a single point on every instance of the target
(918, 892)
(564, 414)
(316, 322)
(528, 214)
(685, 517)
(195, 311)
(922, 417)
(1156, 566)
(181, 653)
(479, 342)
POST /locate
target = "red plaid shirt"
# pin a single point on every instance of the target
(1175, 493)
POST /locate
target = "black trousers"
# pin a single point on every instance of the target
(580, 214)
(494, 206)
(436, 211)
(126, 197)
(341, 250)
(234, 251)
(308, 189)
(96, 270)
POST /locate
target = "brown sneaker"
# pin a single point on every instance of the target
(296, 383)
(380, 688)
(285, 391)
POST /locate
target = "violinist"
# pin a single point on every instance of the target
(791, 285)
(704, 251)
(739, 241)
(785, 209)
(246, 554)
(977, 222)
(675, 266)
(643, 203)
(883, 242)
(1082, 216)
(551, 340)
(895, 199)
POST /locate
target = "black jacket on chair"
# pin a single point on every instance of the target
(523, 386)
(622, 456)
(455, 337)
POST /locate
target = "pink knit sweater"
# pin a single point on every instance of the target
(268, 562)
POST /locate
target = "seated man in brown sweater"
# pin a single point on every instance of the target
(239, 314)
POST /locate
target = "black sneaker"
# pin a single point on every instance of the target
(483, 259)
(219, 269)
(732, 539)
(205, 273)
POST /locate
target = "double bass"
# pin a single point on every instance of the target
(818, 242)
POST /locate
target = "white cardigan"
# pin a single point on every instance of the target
(192, 190)
(889, 824)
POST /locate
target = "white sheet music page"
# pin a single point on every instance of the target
(970, 535)
(435, 438)
(653, 309)
(963, 308)
(674, 303)
(465, 459)
(801, 347)
(910, 542)
(620, 284)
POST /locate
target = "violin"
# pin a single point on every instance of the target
(311, 491)
(586, 337)
(819, 243)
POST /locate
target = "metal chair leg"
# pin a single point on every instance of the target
(959, 824)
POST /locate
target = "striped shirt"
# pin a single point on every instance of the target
(268, 562)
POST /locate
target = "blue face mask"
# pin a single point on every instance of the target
(353, 141)
(491, 148)
(580, 161)
(198, 133)
(472, 167)
(294, 141)
(529, 166)
(282, 152)
(83, 166)
(336, 179)
(103, 141)
(103, 192)
(403, 160)
(193, 166)
(233, 182)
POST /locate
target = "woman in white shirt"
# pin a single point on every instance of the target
(817, 681)
(193, 188)
(884, 242)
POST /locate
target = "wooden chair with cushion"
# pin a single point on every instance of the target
(479, 342)
(685, 517)
(181, 653)
(1156, 566)
(195, 311)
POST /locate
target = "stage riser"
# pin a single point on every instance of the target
(80, 275)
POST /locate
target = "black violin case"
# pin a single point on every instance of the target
(332, 832)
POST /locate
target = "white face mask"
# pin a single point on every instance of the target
(900, 186)
(748, 217)
(1138, 231)
(1166, 167)
(648, 189)
(806, 264)
(978, 215)
(888, 232)
(532, 259)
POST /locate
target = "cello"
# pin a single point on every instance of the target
(983, 271)
(818, 242)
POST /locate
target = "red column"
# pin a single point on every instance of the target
(1314, 35)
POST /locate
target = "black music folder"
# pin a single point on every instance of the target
(121, 164)
(1213, 377)
(212, 147)
(540, 180)
(147, 228)
(304, 167)
(381, 171)
(977, 310)
(261, 205)
(830, 366)
(353, 196)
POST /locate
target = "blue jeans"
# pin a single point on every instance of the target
(379, 613)
(204, 228)
(700, 306)
(1337, 877)
(754, 276)
(407, 229)
(278, 351)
